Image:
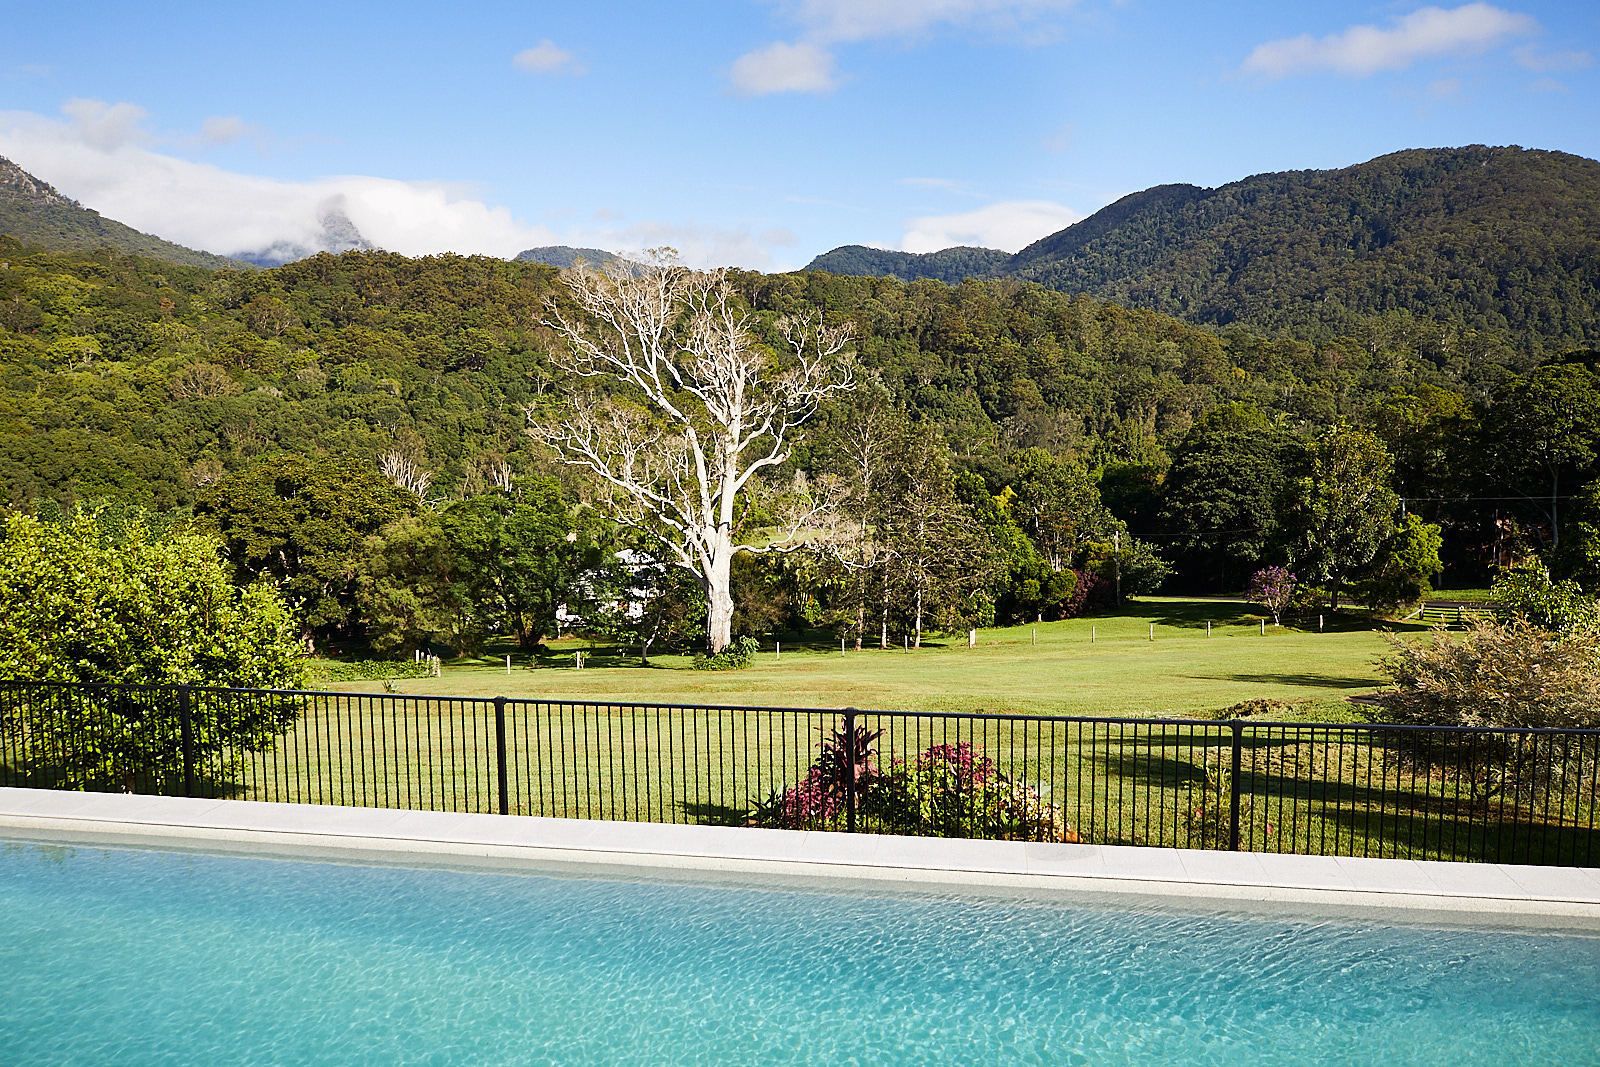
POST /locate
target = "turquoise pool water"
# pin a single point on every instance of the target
(123, 956)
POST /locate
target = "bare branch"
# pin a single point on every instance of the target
(699, 408)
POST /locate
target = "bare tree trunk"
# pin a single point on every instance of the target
(1555, 518)
(883, 635)
(719, 595)
(917, 643)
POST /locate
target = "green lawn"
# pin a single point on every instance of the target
(1097, 666)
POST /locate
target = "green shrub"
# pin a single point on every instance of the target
(368, 670)
(739, 654)
(1528, 591)
(957, 791)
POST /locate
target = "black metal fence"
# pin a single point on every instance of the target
(1510, 796)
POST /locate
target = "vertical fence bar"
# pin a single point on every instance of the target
(500, 755)
(850, 770)
(186, 735)
(1237, 728)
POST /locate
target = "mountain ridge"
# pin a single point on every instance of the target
(565, 257)
(1495, 238)
(35, 212)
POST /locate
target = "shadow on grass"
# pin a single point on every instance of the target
(1477, 834)
(1313, 681)
(717, 815)
(1167, 772)
(1194, 615)
(1187, 615)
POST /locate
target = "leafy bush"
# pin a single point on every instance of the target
(957, 791)
(108, 596)
(1405, 567)
(369, 670)
(1509, 673)
(818, 801)
(739, 654)
(1528, 591)
(946, 791)
(1498, 674)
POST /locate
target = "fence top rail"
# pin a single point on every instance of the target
(1221, 725)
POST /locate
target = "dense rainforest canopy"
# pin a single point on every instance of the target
(353, 427)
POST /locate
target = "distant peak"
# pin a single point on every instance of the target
(335, 233)
(564, 256)
(18, 183)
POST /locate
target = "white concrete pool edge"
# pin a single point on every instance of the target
(1567, 892)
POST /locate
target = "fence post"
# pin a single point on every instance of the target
(186, 735)
(1233, 786)
(850, 770)
(500, 755)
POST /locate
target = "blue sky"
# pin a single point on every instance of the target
(756, 132)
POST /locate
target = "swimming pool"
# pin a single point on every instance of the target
(121, 955)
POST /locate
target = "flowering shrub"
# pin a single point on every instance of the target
(946, 791)
(819, 800)
(1273, 588)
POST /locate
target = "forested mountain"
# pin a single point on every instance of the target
(565, 256)
(139, 378)
(1505, 240)
(947, 265)
(32, 210)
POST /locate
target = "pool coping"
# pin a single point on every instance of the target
(907, 862)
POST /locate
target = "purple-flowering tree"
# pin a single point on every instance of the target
(1272, 588)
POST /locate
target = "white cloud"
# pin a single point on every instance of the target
(224, 129)
(1007, 225)
(861, 20)
(699, 245)
(1362, 50)
(547, 57)
(806, 65)
(784, 68)
(106, 126)
(100, 156)
(1545, 61)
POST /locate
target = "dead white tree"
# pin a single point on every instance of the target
(696, 408)
(401, 466)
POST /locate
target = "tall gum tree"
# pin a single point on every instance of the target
(677, 406)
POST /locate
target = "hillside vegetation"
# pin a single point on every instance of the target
(1500, 240)
(148, 381)
(31, 210)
